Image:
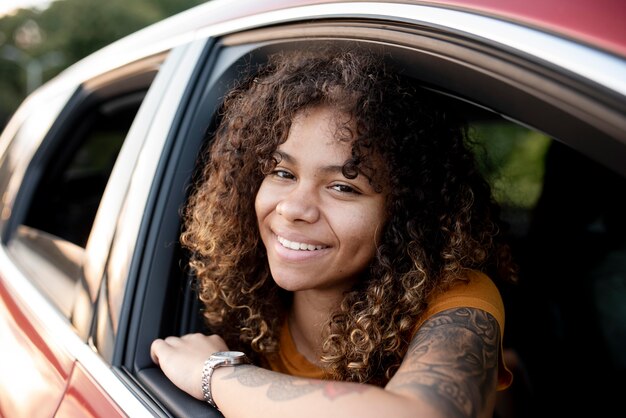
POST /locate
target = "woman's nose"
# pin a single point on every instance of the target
(299, 204)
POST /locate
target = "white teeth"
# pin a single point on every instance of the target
(299, 246)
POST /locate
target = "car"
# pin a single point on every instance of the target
(96, 165)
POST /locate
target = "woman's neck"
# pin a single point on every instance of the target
(308, 314)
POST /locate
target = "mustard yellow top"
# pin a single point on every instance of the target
(479, 292)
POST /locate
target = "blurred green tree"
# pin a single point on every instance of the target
(35, 45)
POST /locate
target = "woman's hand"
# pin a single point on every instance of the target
(182, 359)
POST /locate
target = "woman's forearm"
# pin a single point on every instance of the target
(250, 391)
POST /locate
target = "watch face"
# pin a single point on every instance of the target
(229, 358)
(229, 354)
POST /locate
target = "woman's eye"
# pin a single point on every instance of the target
(343, 188)
(283, 174)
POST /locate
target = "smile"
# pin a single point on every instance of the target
(299, 246)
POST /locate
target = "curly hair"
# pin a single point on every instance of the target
(442, 219)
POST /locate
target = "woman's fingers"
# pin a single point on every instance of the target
(182, 358)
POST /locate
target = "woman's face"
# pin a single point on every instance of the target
(319, 228)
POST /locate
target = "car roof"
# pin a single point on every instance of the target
(599, 23)
(600, 26)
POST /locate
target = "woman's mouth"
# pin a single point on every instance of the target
(299, 246)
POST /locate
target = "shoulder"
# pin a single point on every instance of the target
(475, 305)
(452, 362)
(476, 290)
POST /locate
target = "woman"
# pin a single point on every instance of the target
(343, 239)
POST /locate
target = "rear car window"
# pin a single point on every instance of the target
(67, 198)
(65, 179)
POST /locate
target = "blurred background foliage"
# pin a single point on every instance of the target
(512, 159)
(35, 45)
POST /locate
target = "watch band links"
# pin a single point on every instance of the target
(207, 372)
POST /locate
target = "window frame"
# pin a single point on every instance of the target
(116, 290)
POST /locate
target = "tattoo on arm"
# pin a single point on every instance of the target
(283, 387)
(452, 362)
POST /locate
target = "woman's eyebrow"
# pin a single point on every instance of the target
(327, 169)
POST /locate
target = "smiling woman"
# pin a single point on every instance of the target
(378, 233)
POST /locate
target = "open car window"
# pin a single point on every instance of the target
(525, 139)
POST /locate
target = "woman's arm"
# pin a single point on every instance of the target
(452, 363)
(450, 370)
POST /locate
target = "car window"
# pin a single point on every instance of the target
(66, 199)
(65, 180)
(516, 131)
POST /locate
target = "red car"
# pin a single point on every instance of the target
(94, 167)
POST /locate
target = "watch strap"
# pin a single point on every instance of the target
(207, 372)
(219, 359)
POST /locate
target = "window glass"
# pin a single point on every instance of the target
(21, 136)
(65, 183)
(66, 200)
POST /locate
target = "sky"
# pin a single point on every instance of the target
(7, 6)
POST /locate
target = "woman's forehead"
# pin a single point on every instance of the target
(319, 132)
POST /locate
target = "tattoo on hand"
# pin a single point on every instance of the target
(284, 387)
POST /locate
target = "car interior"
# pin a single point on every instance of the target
(559, 177)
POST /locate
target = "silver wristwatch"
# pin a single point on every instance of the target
(219, 359)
